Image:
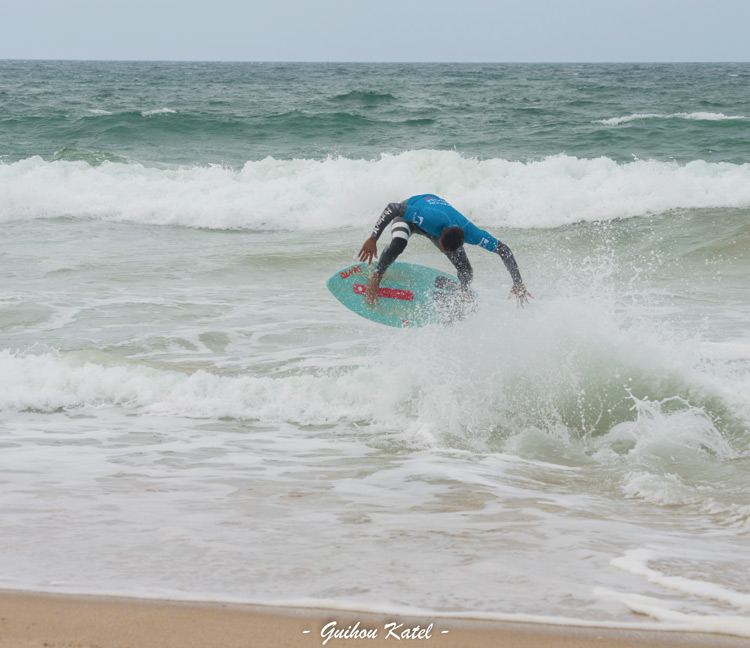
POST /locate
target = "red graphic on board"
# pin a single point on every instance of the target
(388, 293)
(348, 273)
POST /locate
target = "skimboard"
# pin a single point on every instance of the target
(409, 295)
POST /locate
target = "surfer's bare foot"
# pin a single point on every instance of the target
(371, 294)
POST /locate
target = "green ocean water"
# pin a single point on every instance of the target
(207, 113)
(186, 412)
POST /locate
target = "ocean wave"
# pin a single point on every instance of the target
(313, 124)
(93, 158)
(630, 389)
(649, 409)
(309, 195)
(663, 610)
(364, 97)
(158, 111)
(101, 112)
(636, 562)
(49, 383)
(695, 116)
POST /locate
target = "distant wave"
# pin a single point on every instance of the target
(364, 97)
(348, 117)
(158, 111)
(93, 158)
(100, 112)
(697, 116)
(307, 194)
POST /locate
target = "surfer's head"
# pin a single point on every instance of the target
(451, 239)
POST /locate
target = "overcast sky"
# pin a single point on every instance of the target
(377, 30)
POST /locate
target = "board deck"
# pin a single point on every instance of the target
(409, 295)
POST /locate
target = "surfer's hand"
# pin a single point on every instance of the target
(521, 294)
(369, 250)
(466, 301)
(371, 294)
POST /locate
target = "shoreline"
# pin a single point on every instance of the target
(51, 620)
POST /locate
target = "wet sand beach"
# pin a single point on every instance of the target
(39, 620)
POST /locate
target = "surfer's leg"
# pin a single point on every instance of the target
(401, 230)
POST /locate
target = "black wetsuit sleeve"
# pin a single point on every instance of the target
(389, 213)
(460, 262)
(503, 251)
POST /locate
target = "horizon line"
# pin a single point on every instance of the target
(355, 62)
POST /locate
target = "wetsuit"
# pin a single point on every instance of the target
(429, 215)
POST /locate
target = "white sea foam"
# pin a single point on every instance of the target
(637, 562)
(575, 372)
(680, 611)
(158, 111)
(695, 116)
(216, 488)
(303, 195)
(660, 609)
(48, 383)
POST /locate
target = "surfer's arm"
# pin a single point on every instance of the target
(463, 268)
(370, 247)
(519, 290)
(389, 213)
(503, 251)
(485, 240)
(475, 236)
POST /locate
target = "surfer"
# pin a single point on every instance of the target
(447, 228)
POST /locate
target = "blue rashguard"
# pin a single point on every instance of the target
(429, 215)
(432, 215)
